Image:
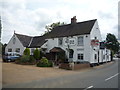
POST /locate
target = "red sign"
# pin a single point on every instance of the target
(94, 42)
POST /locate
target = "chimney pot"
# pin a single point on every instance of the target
(73, 20)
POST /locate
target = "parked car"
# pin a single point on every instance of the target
(10, 56)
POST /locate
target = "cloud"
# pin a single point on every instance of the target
(31, 16)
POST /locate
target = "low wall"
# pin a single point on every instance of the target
(65, 66)
(72, 66)
(81, 66)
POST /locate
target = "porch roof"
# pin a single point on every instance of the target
(57, 49)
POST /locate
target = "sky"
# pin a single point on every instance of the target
(29, 17)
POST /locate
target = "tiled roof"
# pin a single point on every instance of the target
(24, 39)
(79, 28)
(37, 41)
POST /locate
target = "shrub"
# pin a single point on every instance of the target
(44, 63)
(27, 52)
(36, 54)
(50, 63)
(24, 59)
(32, 59)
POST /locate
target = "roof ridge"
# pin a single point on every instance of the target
(78, 22)
(22, 35)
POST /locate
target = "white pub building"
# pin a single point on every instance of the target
(79, 40)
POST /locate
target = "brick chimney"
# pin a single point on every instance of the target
(73, 20)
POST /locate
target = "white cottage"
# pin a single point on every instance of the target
(79, 41)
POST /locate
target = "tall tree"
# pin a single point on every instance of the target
(112, 43)
(53, 25)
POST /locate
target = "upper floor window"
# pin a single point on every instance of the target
(18, 50)
(9, 49)
(71, 42)
(80, 40)
(60, 41)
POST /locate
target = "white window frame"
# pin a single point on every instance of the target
(17, 50)
(81, 56)
(60, 41)
(80, 41)
(9, 49)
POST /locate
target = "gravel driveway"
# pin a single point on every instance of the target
(14, 73)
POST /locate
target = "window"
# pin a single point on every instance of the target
(71, 52)
(80, 40)
(17, 50)
(32, 51)
(71, 42)
(10, 50)
(60, 41)
(95, 56)
(80, 56)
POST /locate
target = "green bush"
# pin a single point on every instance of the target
(24, 59)
(26, 52)
(36, 54)
(44, 63)
(50, 63)
(32, 59)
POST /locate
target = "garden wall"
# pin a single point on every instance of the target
(72, 66)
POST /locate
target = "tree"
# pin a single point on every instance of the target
(27, 52)
(0, 28)
(53, 25)
(36, 54)
(112, 43)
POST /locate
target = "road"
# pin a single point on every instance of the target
(103, 76)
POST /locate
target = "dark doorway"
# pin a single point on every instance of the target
(98, 58)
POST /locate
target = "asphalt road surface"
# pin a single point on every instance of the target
(103, 76)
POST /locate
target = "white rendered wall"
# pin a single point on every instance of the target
(17, 44)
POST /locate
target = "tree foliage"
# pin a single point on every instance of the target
(27, 52)
(112, 43)
(0, 28)
(53, 25)
(36, 54)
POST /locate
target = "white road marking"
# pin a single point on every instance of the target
(111, 77)
(88, 87)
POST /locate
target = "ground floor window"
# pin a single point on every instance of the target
(32, 51)
(71, 52)
(9, 49)
(80, 56)
(17, 50)
(95, 56)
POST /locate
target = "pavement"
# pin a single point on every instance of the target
(103, 76)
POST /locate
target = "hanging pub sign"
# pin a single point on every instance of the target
(102, 45)
(94, 42)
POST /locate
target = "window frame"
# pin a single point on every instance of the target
(9, 49)
(17, 51)
(80, 42)
(60, 41)
(81, 57)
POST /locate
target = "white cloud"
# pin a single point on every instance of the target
(30, 16)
